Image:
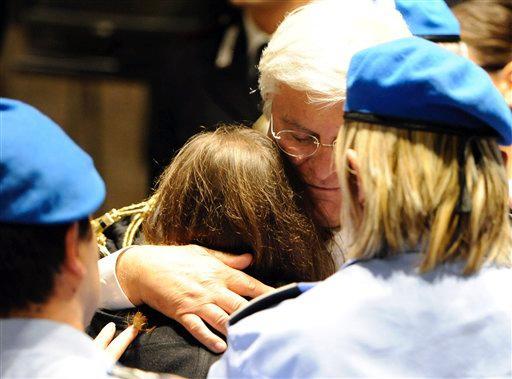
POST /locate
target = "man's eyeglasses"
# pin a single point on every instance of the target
(297, 144)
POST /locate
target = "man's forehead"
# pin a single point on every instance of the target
(328, 125)
(310, 112)
(289, 99)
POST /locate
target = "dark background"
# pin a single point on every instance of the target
(89, 66)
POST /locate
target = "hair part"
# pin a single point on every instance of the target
(30, 258)
(410, 183)
(312, 48)
(227, 190)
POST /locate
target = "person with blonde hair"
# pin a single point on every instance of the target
(425, 292)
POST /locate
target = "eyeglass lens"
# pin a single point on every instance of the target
(297, 143)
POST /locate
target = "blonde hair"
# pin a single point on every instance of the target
(311, 49)
(411, 189)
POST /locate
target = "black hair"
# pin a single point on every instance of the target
(30, 258)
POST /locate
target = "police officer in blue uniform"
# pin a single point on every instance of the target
(426, 290)
(49, 281)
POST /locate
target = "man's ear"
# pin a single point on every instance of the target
(353, 163)
(72, 260)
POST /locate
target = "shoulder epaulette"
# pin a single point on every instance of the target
(137, 212)
(271, 299)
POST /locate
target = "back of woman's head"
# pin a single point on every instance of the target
(227, 190)
(411, 186)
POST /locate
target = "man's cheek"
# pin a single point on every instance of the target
(302, 167)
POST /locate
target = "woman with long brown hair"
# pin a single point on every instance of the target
(229, 190)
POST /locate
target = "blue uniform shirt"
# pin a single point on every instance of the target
(40, 348)
(381, 319)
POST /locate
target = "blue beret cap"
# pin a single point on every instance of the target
(430, 19)
(45, 178)
(415, 84)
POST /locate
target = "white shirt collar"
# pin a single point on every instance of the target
(255, 36)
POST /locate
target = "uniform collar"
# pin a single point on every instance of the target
(352, 261)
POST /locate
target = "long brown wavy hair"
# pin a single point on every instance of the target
(229, 190)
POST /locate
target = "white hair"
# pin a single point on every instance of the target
(312, 48)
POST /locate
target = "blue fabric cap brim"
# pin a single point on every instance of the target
(430, 19)
(416, 81)
(45, 178)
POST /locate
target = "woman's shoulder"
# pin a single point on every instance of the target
(119, 228)
(163, 345)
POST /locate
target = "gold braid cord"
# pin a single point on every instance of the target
(138, 212)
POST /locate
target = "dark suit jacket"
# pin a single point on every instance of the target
(168, 348)
(190, 91)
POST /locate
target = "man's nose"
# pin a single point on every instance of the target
(323, 162)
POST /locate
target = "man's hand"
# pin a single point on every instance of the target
(190, 284)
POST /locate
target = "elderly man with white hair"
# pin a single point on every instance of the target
(302, 83)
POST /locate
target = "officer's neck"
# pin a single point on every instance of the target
(59, 307)
(62, 313)
(267, 17)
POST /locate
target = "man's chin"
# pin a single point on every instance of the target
(327, 217)
(326, 200)
(329, 222)
(324, 191)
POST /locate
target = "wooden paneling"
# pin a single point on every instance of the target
(107, 117)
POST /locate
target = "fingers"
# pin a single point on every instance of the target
(215, 316)
(229, 301)
(200, 331)
(246, 285)
(117, 347)
(239, 282)
(238, 262)
(105, 336)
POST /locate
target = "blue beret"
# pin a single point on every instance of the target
(430, 19)
(415, 84)
(45, 178)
